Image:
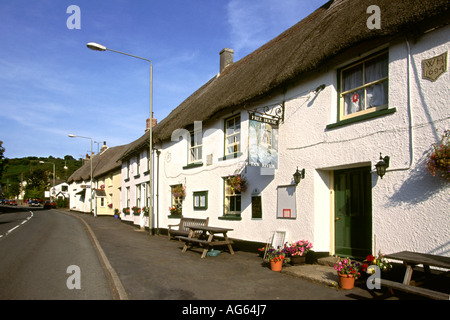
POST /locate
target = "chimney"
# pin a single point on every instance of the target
(226, 58)
(154, 122)
(104, 147)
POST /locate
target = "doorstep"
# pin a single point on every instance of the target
(318, 273)
(321, 272)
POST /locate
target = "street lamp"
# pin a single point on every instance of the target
(90, 160)
(53, 174)
(98, 47)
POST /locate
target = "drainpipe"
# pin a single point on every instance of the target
(410, 112)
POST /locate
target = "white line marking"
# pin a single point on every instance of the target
(23, 222)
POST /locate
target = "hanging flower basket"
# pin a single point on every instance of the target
(126, 211)
(136, 210)
(438, 163)
(179, 191)
(237, 183)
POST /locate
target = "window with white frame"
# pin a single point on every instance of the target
(138, 196)
(364, 86)
(232, 135)
(127, 170)
(195, 147)
(127, 190)
(138, 164)
(147, 194)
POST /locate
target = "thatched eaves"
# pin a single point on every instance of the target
(332, 29)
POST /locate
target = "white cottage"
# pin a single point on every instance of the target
(135, 187)
(327, 96)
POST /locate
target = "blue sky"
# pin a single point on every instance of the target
(52, 85)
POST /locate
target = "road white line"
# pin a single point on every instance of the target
(22, 223)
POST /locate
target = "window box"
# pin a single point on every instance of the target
(193, 165)
(235, 217)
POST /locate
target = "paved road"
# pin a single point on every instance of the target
(36, 250)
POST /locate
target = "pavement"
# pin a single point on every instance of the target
(152, 267)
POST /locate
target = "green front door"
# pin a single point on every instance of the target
(353, 212)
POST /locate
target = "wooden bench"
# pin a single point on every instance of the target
(206, 239)
(183, 226)
(415, 290)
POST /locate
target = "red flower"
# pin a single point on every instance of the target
(370, 258)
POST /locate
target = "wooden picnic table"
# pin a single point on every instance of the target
(411, 259)
(207, 238)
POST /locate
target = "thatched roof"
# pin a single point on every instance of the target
(136, 146)
(102, 163)
(329, 31)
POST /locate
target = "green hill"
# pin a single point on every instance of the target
(17, 169)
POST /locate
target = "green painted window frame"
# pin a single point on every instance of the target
(199, 195)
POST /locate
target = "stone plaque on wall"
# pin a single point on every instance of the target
(434, 67)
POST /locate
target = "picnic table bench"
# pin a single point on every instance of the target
(206, 238)
(410, 259)
(183, 226)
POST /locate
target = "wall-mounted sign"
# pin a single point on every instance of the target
(286, 204)
(263, 142)
(434, 67)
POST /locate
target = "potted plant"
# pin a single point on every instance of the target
(126, 211)
(297, 251)
(438, 163)
(276, 258)
(348, 272)
(173, 210)
(380, 262)
(116, 213)
(146, 211)
(136, 210)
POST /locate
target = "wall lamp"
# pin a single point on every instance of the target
(382, 165)
(299, 175)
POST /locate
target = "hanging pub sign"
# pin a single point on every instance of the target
(263, 141)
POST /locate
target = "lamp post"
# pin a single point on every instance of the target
(98, 47)
(54, 172)
(90, 160)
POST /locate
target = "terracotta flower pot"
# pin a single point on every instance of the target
(276, 265)
(346, 281)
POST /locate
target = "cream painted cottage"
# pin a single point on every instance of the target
(106, 183)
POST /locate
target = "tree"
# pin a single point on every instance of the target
(36, 183)
(2, 150)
